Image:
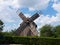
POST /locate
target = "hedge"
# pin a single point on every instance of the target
(29, 40)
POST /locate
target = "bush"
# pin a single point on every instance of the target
(6, 38)
(29, 40)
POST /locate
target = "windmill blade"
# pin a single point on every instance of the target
(21, 28)
(22, 16)
(34, 17)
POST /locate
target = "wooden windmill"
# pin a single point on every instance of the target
(27, 27)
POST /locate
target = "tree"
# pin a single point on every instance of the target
(12, 32)
(46, 31)
(57, 31)
(1, 25)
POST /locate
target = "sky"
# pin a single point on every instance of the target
(10, 9)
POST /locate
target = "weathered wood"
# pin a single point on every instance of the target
(31, 28)
(35, 16)
(22, 16)
(27, 27)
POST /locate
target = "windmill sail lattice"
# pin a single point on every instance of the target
(27, 27)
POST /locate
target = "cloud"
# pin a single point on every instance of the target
(8, 8)
(53, 20)
(27, 15)
(55, 1)
(31, 9)
(56, 6)
(10, 27)
(5, 3)
(8, 13)
(42, 20)
(34, 4)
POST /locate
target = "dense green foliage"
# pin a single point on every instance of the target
(50, 31)
(57, 31)
(29, 40)
(1, 25)
(12, 32)
(6, 34)
(6, 38)
(46, 31)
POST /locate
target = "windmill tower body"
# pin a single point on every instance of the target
(27, 27)
(29, 30)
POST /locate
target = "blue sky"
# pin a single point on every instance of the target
(10, 9)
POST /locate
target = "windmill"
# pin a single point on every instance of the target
(27, 27)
